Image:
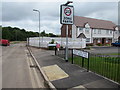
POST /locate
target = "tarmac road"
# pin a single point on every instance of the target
(16, 71)
(105, 49)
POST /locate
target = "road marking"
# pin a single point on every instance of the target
(36, 76)
(54, 72)
(36, 83)
(31, 76)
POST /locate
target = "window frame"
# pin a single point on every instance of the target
(87, 40)
(99, 31)
(87, 30)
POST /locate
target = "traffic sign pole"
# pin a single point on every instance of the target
(66, 18)
(66, 53)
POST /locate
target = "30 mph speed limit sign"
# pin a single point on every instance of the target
(66, 14)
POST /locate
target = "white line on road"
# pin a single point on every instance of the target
(35, 79)
(36, 75)
(31, 76)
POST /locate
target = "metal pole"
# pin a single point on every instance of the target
(39, 24)
(88, 62)
(66, 53)
(72, 57)
(39, 29)
(28, 41)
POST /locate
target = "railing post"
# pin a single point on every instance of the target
(28, 41)
(64, 52)
(82, 61)
(88, 62)
(72, 56)
(55, 50)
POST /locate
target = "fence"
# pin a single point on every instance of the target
(101, 64)
(44, 41)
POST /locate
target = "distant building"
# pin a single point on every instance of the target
(94, 30)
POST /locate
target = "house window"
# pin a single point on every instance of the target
(99, 41)
(87, 30)
(80, 28)
(87, 39)
(94, 31)
(99, 31)
(107, 31)
(107, 40)
(110, 31)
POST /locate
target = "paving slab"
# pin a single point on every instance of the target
(54, 72)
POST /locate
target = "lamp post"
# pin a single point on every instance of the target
(39, 24)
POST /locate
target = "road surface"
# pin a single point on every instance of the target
(16, 70)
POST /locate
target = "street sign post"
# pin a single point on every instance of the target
(67, 18)
(66, 14)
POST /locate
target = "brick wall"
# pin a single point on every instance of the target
(63, 31)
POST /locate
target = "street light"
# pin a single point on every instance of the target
(39, 24)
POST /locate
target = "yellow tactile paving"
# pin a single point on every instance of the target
(78, 87)
(54, 72)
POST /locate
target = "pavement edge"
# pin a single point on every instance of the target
(50, 85)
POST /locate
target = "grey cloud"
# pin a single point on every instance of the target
(103, 10)
(86, 8)
(12, 11)
(21, 13)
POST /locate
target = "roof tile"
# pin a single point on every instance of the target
(94, 23)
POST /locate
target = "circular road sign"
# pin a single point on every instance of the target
(67, 11)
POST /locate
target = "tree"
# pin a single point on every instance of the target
(51, 35)
(43, 33)
(15, 33)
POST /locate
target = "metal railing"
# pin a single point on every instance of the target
(104, 65)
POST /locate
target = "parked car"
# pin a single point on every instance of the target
(4, 42)
(117, 43)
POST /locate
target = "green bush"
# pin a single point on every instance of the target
(99, 44)
(51, 47)
(107, 45)
(61, 46)
(52, 41)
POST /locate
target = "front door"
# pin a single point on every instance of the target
(103, 41)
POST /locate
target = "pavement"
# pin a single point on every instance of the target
(64, 75)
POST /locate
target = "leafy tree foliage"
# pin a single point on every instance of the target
(16, 34)
(48, 35)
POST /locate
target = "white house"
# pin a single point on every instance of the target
(95, 31)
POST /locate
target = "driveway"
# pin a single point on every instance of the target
(112, 51)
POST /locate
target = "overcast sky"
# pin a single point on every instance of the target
(20, 14)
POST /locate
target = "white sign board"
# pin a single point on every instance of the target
(66, 14)
(80, 53)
